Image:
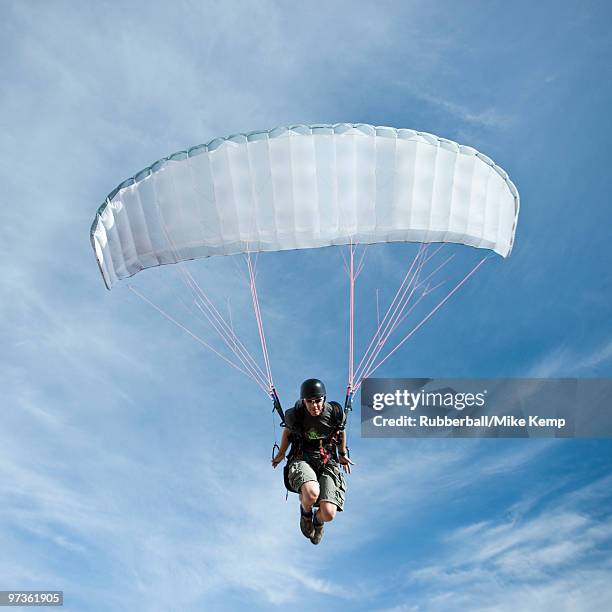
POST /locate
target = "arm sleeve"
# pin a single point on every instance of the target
(338, 413)
(290, 419)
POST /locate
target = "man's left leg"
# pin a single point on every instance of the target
(303, 479)
(331, 499)
(326, 512)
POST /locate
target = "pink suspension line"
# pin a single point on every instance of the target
(351, 315)
(260, 327)
(218, 323)
(377, 314)
(229, 313)
(197, 338)
(424, 320)
(253, 370)
(426, 291)
(361, 262)
(352, 274)
(398, 315)
(214, 317)
(394, 311)
(377, 334)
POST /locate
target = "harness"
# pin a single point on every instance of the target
(300, 444)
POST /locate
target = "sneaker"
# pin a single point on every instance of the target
(317, 534)
(306, 525)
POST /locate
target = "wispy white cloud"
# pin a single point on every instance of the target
(551, 556)
(401, 478)
(132, 464)
(566, 361)
(489, 117)
(180, 532)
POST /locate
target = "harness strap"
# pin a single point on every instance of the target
(324, 454)
(277, 406)
(327, 447)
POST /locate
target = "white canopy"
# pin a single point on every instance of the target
(303, 187)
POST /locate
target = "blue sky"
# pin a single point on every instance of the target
(134, 466)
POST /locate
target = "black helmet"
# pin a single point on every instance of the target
(312, 387)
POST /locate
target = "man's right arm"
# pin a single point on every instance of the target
(282, 451)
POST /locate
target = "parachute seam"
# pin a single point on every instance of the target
(337, 128)
(206, 147)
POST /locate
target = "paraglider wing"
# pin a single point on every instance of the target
(304, 187)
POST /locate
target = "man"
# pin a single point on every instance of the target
(314, 429)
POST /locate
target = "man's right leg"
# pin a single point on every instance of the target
(303, 479)
(309, 493)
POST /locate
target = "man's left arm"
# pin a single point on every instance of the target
(343, 457)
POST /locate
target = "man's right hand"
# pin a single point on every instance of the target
(278, 459)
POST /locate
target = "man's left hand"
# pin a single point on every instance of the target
(346, 463)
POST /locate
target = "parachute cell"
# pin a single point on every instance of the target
(304, 187)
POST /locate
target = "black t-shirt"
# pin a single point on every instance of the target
(312, 429)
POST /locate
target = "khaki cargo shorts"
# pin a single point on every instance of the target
(331, 481)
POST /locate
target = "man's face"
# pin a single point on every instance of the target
(314, 405)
